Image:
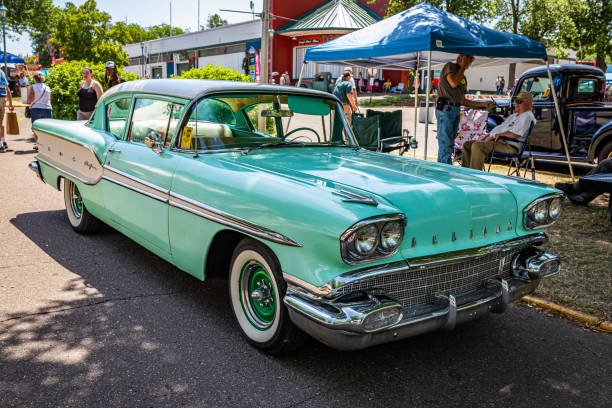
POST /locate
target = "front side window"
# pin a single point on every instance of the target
(117, 113)
(539, 87)
(154, 117)
(248, 121)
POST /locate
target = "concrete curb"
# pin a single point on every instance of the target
(574, 314)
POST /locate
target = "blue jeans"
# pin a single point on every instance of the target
(38, 113)
(448, 124)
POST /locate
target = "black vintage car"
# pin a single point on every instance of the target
(586, 118)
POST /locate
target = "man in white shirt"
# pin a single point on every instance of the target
(515, 127)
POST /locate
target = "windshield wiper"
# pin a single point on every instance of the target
(282, 143)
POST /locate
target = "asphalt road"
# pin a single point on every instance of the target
(99, 321)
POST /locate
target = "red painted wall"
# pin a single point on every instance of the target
(283, 46)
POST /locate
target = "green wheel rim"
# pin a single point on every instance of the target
(257, 295)
(76, 203)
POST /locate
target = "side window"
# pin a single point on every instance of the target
(154, 116)
(117, 113)
(263, 124)
(539, 87)
(208, 126)
(212, 110)
(586, 86)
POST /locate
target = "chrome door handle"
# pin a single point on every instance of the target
(111, 150)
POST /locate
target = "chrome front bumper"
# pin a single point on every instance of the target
(339, 321)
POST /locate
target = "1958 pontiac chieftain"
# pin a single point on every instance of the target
(267, 186)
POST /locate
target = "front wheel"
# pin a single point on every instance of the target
(81, 220)
(605, 152)
(257, 289)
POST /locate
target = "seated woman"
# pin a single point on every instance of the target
(515, 127)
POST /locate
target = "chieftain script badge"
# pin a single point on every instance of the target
(90, 165)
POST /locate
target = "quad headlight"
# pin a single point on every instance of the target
(542, 212)
(373, 238)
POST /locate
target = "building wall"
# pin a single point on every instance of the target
(232, 61)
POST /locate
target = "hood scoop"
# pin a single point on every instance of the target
(352, 197)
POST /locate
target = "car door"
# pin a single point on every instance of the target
(139, 177)
(541, 138)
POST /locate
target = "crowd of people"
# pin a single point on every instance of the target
(39, 96)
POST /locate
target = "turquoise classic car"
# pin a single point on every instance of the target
(267, 187)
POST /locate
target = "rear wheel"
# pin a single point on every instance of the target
(257, 289)
(605, 152)
(80, 219)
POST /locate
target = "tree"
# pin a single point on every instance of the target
(163, 30)
(65, 80)
(215, 72)
(588, 29)
(29, 15)
(86, 33)
(215, 20)
(471, 9)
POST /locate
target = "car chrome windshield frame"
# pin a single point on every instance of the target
(347, 129)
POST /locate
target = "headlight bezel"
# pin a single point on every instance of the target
(351, 257)
(529, 221)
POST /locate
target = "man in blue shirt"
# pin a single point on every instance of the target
(343, 91)
(5, 94)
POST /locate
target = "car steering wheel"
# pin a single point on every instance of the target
(302, 128)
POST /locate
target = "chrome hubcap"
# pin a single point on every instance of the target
(257, 295)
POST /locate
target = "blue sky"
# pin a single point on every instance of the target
(151, 12)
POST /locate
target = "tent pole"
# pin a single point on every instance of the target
(560, 119)
(301, 73)
(427, 102)
(416, 96)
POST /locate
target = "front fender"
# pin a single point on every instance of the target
(598, 140)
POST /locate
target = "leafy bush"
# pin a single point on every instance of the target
(214, 72)
(65, 81)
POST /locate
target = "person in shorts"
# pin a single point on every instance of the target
(5, 96)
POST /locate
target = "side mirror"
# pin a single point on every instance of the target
(153, 141)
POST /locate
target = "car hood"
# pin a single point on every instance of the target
(448, 207)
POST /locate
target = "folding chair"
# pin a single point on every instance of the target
(368, 131)
(392, 136)
(522, 159)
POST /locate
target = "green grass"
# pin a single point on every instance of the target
(582, 238)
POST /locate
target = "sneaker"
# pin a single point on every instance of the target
(567, 188)
(5, 145)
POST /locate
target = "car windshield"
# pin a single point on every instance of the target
(249, 121)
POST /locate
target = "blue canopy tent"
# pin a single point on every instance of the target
(11, 58)
(424, 37)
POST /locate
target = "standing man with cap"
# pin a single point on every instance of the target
(111, 77)
(343, 91)
(352, 81)
(451, 96)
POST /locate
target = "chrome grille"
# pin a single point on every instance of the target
(411, 287)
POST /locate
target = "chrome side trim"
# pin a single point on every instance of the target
(137, 180)
(228, 220)
(136, 189)
(328, 289)
(65, 172)
(195, 207)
